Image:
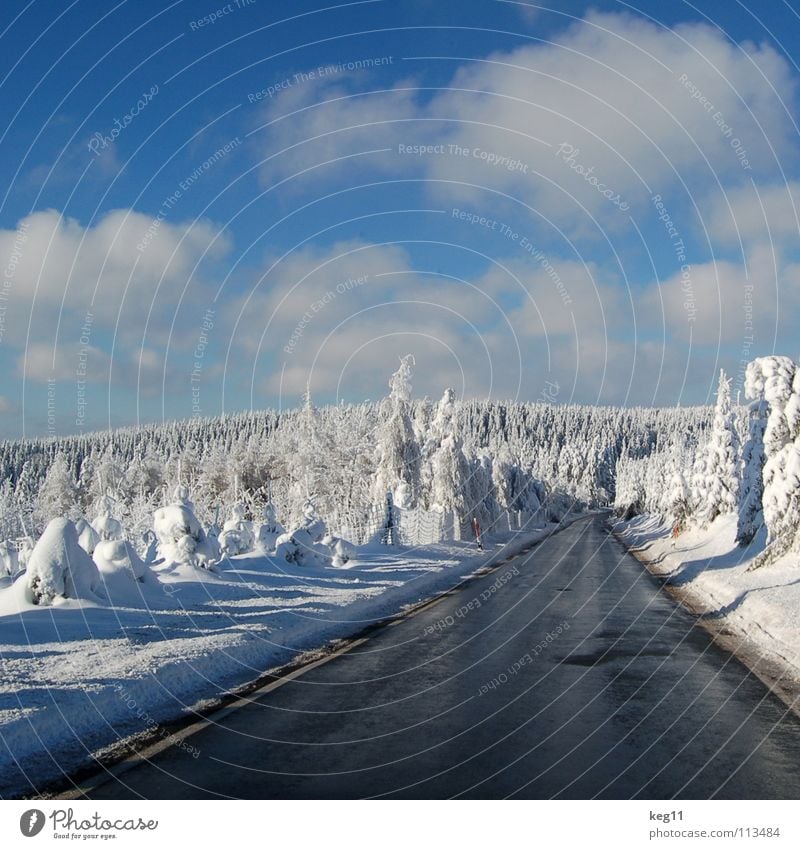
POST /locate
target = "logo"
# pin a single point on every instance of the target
(31, 822)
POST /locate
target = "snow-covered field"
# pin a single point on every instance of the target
(78, 676)
(761, 607)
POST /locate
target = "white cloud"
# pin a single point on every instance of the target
(768, 215)
(73, 287)
(41, 362)
(617, 88)
(327, 126)
(126, 257)
(611, 86)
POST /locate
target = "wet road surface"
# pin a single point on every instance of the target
(565, 673)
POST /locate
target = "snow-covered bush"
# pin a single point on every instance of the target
(9, 562)
(150, 546)
(87, 536)
(119, 556)
(269, 529)
(304, 545)
(25, 546)
(181, 538)
(60, 568)
(108, 528)
(342, 551)
(237, 533)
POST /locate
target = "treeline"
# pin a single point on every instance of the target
(475, 457)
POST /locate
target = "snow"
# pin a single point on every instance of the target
(59, 568)
(237, 533)
(181, 538)
(87, 536)
(84, 674)
(761, 606)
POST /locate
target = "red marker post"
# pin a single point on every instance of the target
(477, 528)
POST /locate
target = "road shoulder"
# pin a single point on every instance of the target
(774, 661)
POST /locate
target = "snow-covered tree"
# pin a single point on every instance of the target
(717, 495)
(776, 380)
(181, 538)
(677, 499)
(269, 528)
(398, 454)
(447, 466)
(59, 567)
(751, 488)
(237, 533)
(58, 495)
(303, 545)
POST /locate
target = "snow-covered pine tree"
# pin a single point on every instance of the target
(444, 453)
(776, 380)
(678, 500)
(751, 488)
(721, 461)
(58, 495)
(398, 453)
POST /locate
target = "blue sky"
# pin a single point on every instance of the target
(208, 206)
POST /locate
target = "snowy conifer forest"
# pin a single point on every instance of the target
(313, 484)
(238, 482)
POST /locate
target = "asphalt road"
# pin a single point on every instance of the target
(565, 673)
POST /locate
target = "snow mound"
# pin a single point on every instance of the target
(342, 550)
(59, 567)
(124, 574)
